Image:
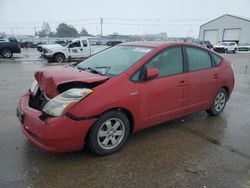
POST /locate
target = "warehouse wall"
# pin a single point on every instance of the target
(227, 22)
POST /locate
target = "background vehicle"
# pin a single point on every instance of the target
(113, 43)
(78, 49)
(121, 90)
(204, 43)
(226, 47)
(8, 47)
(243, 47)
(61, 42)
(28, 44)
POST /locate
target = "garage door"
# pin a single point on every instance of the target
(211, 35)
(231, 34)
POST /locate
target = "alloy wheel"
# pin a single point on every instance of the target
(220, 101)
(111, 133)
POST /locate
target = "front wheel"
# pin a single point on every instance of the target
(59, 58)
(109, 133)
(219, 103)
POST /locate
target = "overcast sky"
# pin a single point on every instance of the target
(176, 17)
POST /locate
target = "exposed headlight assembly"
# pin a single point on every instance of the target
(65, 101)
(34, 86)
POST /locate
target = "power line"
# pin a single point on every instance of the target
(156, 19)
(55, 21)
(157, 25)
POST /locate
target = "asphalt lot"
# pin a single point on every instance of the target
(194, 151)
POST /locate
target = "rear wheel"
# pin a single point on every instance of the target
(109, 133)
(59, 58)
(234, 50)
(219, 103)
(6, 53)
(226, 51)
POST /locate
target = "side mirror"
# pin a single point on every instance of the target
(152, 73)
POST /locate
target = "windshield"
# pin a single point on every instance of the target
(115, 60)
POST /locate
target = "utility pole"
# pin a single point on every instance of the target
(12, 33)
(101, 22)
(35, 30)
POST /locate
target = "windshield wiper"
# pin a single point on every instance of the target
(105, 69)
(90, 69)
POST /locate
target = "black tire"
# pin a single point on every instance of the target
(6, 53)
(226, 51)
(59, 58)
(99, 134)
(219, 103)
(235, 50)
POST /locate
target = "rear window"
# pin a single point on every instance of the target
(217, 59)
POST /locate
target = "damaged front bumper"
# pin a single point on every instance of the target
(54, 134)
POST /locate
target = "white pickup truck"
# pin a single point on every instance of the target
(78, 49)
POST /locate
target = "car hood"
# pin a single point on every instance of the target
(50, 78)
(53, 46)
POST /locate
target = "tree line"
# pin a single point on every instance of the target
(62, 30)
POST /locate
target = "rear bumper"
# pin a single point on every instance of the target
(55, 134)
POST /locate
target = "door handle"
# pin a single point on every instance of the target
(182, 83)
(216, 76)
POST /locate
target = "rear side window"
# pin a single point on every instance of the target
(217, 59)
(198, 59)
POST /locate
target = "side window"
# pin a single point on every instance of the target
(75, 44)
(84, 43)
(168, 62)
(136, 76)
(198, 59)
(217, 59)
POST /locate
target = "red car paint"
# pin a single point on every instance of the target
(147, 103)
(49, 79)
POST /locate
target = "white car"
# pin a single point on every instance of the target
(226, 47)
(244, 48)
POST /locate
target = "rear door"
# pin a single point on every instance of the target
(86, 52)
(201, 78)
(162, 97)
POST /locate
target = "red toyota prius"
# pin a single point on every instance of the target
(102, 100)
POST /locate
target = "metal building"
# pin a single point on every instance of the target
(226, 28)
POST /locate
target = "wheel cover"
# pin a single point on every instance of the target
(220, 101)
(59, 59)
(6, 53)
(111, 133)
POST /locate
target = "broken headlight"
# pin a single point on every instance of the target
(33, 86)
(65, 101)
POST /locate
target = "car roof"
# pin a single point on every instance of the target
(156, 44)
(228, 42)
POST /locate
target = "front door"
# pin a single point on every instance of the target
(162, 97)
(76, 49)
